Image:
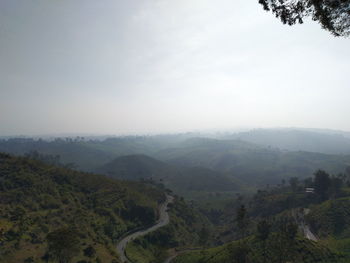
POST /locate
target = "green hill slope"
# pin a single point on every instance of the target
(39, 203)
(301, 251)
(187, 227)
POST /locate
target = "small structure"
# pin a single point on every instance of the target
(310, 190)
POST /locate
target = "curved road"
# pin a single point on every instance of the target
(162, 221)
(299, 217)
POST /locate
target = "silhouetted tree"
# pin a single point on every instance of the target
(333, 15)
(322, 184)
(242, 221)
(294, 181)
(336, 185)
(308, 182)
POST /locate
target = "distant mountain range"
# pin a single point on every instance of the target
(192, 163)
(310, 140)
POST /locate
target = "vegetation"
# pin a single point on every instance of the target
(331, 218)
(298, 250)
(236, 160)
(251, 164)
(185, 181)
(53, 213)
(50, 213)
(332, 15)
(187, 228)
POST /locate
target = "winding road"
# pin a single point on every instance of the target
(304, 227)
(162, 221)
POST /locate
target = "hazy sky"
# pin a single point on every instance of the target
(146, 66)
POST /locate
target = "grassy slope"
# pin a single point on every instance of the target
(36, 199)
(305, 251)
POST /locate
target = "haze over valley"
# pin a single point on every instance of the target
(184, 131)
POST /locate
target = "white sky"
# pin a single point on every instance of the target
(147, 66)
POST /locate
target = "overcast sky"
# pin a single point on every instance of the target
(127, 66)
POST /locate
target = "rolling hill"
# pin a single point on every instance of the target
(181, 180)
(39, 203)
(308, 140)
(250, 163)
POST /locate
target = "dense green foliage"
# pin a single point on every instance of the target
(331, 218)
(38, 202)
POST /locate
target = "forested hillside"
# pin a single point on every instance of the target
(284, 224)
(186, 181)
(277, 248)
(42, 206)
(251, 163)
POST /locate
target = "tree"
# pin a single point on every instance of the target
(333, 15)
(89, 251)
(336, 185)
(322, 183)
(242, 221)
(283, 242)
(203, 236)
(63, 244)
(294, 182)
(263, 232)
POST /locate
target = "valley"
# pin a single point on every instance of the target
(190, 200)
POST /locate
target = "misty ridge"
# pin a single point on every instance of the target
(256, 157)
